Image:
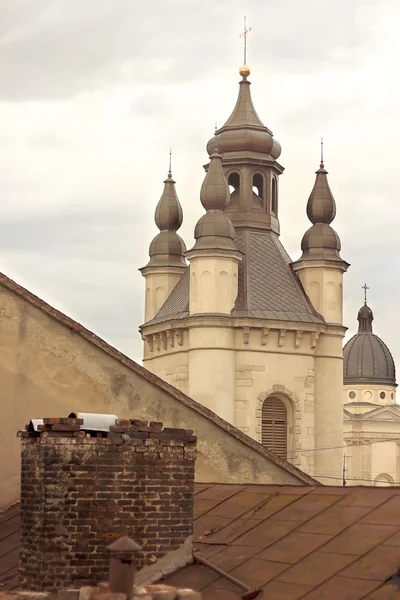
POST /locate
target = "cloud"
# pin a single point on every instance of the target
(93, 95)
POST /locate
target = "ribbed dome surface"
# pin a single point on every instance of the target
(367, 359)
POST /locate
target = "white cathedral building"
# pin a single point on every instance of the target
(257, 338)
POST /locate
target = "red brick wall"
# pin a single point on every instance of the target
(80, 493)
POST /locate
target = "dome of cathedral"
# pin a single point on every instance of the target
(244, 130)
(367, 359)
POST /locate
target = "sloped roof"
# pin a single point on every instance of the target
(9, 548)
(375, 413)
(325, 543)
(292, 542)
(267, 286)
(160, 383)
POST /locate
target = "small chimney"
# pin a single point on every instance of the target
(82, 491)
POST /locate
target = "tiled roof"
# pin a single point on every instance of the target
(322, 543)
(292, 542)
(153, 379)
(267, 286)
(9, 548)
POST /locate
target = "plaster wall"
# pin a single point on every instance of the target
(172, 367)
(290, 377)
(212, 369)
(373, 452)
(329, 407)
(213, 283)
(47, 369)
(159, 285)
(369, 393)
(233, 370)
(324, 287)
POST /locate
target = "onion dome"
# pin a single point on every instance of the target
(321, 242)
(367, 359)
(214, 230)
(321, 205)
(167, 248)
(244, 130)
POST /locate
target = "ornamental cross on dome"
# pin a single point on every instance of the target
(244, 36)
(365, 288)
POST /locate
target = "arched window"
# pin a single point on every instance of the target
(234, 188)
(258, 185)
(274, 426)
(384, 480)
(233, 182)
(274, 197)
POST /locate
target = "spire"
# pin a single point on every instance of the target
(167, 247)
(214, 231)
(244, 130)
(244, 112)
(321, 242)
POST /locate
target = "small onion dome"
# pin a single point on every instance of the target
(214, 193)
(322, 241)
(169, 215)
(367, 359)
(244, 130)
(214, 231)
(167, 248)
(321, 206)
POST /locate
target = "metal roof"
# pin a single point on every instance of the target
(313, 543)
(267, 286)
(321, 543)
(367, 359)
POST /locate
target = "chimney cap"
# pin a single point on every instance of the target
(124, 545)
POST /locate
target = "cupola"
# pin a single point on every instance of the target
(367, 359)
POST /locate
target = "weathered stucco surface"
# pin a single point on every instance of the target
(48, 368)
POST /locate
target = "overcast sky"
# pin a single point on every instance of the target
(94, 93)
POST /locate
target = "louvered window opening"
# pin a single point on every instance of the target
(274, 426)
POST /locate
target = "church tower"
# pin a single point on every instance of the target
(371, 415)
(242, 332)
(167, 262)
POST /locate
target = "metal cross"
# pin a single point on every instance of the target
(365, 288)
(244, 36)
(322, 152)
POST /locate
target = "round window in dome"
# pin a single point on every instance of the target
(367, 395)
(352, 395)
(382, 395)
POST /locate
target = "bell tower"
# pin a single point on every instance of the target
(249, 153)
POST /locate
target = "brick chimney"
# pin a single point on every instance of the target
(80, 491)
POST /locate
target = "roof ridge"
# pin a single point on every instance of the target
(154, 379)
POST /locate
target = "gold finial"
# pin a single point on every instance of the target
(244, 36)
(244, 71)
